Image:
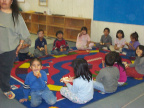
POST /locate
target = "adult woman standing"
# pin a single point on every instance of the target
(13, 31)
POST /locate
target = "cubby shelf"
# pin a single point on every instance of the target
(71, 26)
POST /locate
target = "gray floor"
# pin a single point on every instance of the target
(7, 103)
(129, 98)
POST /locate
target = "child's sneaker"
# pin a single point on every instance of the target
(101, 92)
(9, 94)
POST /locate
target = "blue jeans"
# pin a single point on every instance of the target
(47, 95)
(38, 53)
(56, 52)
(98, 86)
(129, 52)
(101, 46)
(23, 56)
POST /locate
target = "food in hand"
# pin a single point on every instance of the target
(38, 74)
(64, 79)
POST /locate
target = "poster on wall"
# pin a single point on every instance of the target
(119, 11)
(22, 1)
(43, 2)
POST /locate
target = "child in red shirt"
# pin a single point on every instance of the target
(60, 46)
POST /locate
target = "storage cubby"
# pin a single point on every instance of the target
(26, 17)
(36, 18)
(34, 28)
(74, 23)
(71, 26)
(71, 34)
(28, 26)
(55, 20)
(51, 31)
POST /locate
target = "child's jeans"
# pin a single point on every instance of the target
(101, 46)
(71, 96)
(47, 95)
(129, 52)
(56, 52)
(23, 56)
(99, 86)
(38, 53)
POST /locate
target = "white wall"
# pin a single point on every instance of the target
(84, 8)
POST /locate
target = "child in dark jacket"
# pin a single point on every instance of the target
(60, 46)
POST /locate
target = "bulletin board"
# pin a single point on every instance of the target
(119, 11)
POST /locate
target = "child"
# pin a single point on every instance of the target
(82, 89)
(106, 40)
(121, 68)
(23, 53)
(107, 79)
(132, 45)
(36, 85)
(40, 44)
(136, 70)
(60, 46)
(83, 40)
(119, 42)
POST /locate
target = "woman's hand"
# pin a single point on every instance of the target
(23, 100)
(18, 48)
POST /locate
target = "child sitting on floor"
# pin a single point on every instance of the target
(107, 79)
(132, 45)
(106, 40)
(119, 42)
(136, 70)
(40, 45)
(60, 46)
(82, 89)
(24, 51)
(83, 40)
(36, 85)
(121, 68)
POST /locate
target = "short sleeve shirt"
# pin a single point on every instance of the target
(83, 39)
(40, 43)
(120, 43)
(11, 35)
(106, 39)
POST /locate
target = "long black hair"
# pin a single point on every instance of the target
(15, 11)
(118, 59)
(81, 69)
(141, 47)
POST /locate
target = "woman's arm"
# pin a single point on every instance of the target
(19, 47)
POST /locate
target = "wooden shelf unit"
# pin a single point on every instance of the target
(71, 26)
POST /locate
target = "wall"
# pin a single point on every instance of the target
(84, 8)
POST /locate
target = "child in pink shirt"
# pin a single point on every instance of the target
(121, 67)
(119, 42)
(83, 40)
